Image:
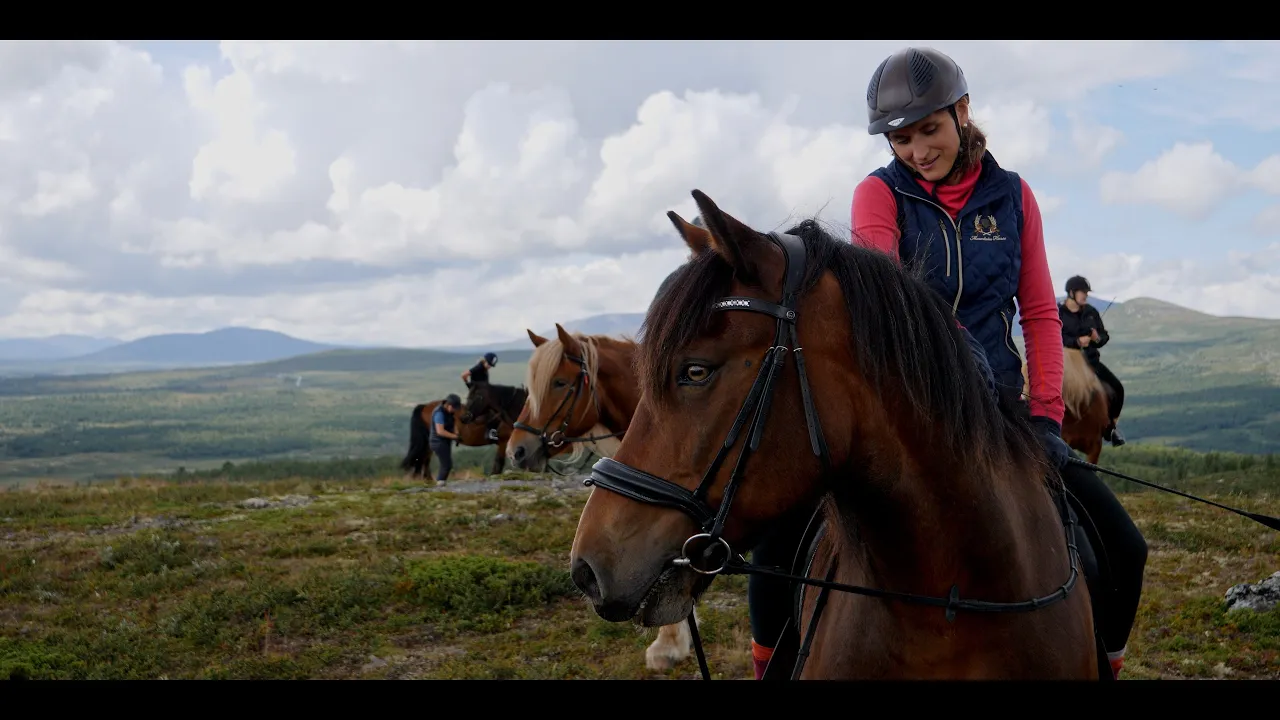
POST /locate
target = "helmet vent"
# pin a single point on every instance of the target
(922, 72)
(873, 90)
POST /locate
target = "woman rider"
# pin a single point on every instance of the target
(1083, 330)
(944, 201)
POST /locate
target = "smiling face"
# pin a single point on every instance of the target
(931, 146)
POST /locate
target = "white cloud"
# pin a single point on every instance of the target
(1019, 134)
(1188, 179)
(1192, 180)
(1093, 141)
(383, 191)
(474, 305)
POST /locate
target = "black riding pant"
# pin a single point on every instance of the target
(769, 599)
(1105, 375)
(1122, 558)
(443, 449)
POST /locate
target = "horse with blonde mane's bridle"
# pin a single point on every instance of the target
(1085, 398)
(942, 546)
(582, 394)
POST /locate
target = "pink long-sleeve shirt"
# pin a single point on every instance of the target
(875, 224)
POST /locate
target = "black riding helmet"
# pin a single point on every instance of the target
(910, 85)
(1077, 283)
(453, 400)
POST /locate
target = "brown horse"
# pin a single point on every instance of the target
(471, 431)
(582, 393)
(557, 379)
(1085, 398)
(931, 492)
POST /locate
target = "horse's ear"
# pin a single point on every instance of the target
(738, 244)
(569, 342)
(537, 339)
(698, 239)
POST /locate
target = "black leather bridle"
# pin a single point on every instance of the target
(557, 438)
(643, 487)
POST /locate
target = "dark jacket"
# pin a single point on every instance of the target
(973, 262)
(479, 374)
(1076, 325)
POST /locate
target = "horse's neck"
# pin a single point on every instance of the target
(615, 390)
(923, 523)
(508, 399)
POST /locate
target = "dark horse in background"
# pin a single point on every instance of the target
(484, 402)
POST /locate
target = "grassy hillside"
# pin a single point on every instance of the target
(349, 403)
(336, 570)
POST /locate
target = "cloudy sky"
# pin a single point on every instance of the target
(454, 192)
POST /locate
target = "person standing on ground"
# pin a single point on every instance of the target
(442, 433)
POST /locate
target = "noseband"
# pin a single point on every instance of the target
(643, 487)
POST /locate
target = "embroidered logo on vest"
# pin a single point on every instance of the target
(986, 230)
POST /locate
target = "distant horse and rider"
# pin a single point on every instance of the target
(1093, 395)
(486, 418)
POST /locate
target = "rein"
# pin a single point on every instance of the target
(557, 438)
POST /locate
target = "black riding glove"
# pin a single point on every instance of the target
(1050, 434)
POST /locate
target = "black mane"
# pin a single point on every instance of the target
(904, 337)
(506, 397)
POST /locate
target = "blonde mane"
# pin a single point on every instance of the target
(546, 358)
(1079, 383)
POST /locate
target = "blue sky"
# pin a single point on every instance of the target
(397, 192)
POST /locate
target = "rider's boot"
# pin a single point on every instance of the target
(1112, 434)
(760, 658)
(1117, 661)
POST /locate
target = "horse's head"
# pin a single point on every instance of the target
(561, 403)
(718, 372)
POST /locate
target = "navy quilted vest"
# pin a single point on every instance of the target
(973, 262)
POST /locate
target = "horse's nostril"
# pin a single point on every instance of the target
(519, 453)
(585, 580)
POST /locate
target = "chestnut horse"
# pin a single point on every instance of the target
(582, 392)
(934, 492)
(1085, 397)
(554, 422)
(417, 462)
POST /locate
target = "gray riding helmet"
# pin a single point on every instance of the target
(910, 85)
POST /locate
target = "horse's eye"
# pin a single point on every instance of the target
(560, 382)
(694, 374)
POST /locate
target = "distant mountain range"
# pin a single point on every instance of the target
(74, 354)
(65, 354)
